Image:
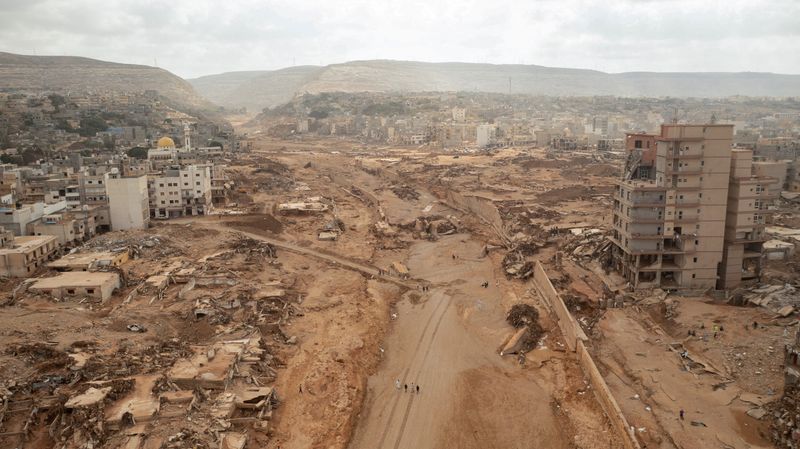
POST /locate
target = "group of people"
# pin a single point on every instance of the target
(485, 284)
(425, 288)
(414, 388)
(718, 328)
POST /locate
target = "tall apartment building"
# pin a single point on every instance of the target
(695, 220)
(127, 201)
(749, 195)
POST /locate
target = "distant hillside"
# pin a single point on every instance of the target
(70, 73)
(257, 90)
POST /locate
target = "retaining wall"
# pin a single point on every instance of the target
(570, 328)
(484, 208)
(576, 340)
(606, 398)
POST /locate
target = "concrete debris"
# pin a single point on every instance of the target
(525, 318)
(406, 192)
(781, 299)
(242, 244)
(757, 413)
(136, 328)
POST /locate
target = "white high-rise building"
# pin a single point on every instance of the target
(128, 201)
(485, 135)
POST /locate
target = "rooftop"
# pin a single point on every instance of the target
(75, 279)
(81, 259)
(27, 242)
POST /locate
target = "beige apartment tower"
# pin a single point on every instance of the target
(694, 221)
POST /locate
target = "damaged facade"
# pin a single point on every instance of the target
(696, 219)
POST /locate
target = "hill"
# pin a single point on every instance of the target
(71, 73)
(257, 90)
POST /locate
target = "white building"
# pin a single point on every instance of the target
(177, 192)
(459, 115)
(128, 202)
(485, 135)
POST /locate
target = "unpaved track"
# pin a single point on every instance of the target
(447, 344)
(369, 270)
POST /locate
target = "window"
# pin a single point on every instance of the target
(90, 291)
(694, 275)
(637, 144)
(70, 291)
(697, 242)
(694, 260)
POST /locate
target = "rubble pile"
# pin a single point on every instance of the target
(430, 227)
(586, 244)
(516, 266)
(278, 176)
(781, 299)
(148, 246)
(406, 192)
(785, 426)
(524, 318)
(241, 244)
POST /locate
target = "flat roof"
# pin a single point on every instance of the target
(26, 242)
(75, 279)
(84, 258)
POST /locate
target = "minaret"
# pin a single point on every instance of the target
(187, 137)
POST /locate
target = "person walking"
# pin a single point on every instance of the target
(417, 388)
(405, 386)
(681, 414)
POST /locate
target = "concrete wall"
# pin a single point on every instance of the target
(576, 340)
(566, 322)
(484, 208)
(606, 398)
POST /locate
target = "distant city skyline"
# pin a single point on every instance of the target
(193, 38)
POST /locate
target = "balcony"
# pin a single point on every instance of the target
(684, 155)
(648, 236)
(685, 220)
(683, 171)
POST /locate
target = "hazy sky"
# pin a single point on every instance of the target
(198, 37)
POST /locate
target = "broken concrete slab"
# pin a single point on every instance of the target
(233, 440)
(757, 412)
(88, 398)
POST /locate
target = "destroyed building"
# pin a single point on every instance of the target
(96, 285)
(696, 220)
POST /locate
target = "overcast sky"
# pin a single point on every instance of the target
(199, 37)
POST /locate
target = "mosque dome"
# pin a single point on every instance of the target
(166, 142)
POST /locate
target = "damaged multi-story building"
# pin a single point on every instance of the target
(689, 212)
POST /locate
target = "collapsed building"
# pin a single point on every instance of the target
(689, 212)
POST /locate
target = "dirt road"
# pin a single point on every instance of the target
(447, 344)
(211, 222)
